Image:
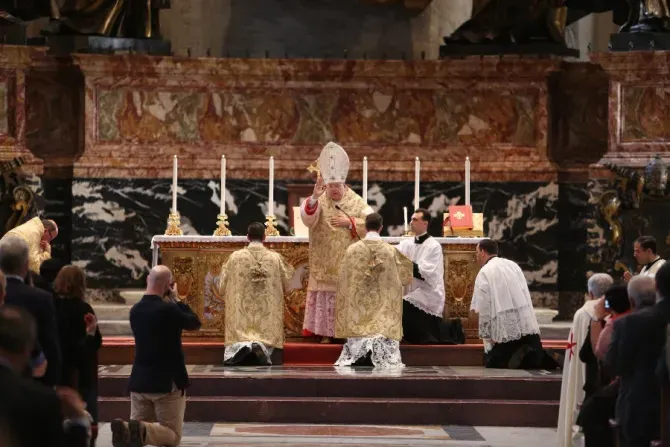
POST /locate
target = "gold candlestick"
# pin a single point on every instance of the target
(409, 233)
(270, 226)
(173, 225)
(222, 228)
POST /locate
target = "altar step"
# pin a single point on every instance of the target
(417, 396)
(113, 318)
(121, 351)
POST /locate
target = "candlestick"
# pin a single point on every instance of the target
(417, 174)
(223, 185)
(271, 192)
(467, 180)
(365, 179)
(174, 185)
(404, 209)
(271, 226)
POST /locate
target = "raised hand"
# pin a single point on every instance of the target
(319, 188)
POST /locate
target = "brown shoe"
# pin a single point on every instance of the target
(137, 433)
(120, 434)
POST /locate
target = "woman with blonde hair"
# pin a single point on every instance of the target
(79, 336)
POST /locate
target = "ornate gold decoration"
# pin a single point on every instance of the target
(23, 200)
(270, 226)
(460, 271)
(314, 168)
(610, 205)
(182, 271)
(222, 226)
(173, 225)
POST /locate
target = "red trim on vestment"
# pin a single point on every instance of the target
(310, 210)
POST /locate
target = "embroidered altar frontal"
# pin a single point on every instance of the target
(196, 264)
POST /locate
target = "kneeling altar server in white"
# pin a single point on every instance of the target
(368, 310)
(253, 282)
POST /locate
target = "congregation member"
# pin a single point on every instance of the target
(423, 302)
(158, 379)
(38, 234)
(32, 414)
(253, 282)
(602, 385)
(507, 321)
(636, 347)
(369, 300)
(79, 337)
(334, 215)
(14, 263)
(574, 370)
(645, 253)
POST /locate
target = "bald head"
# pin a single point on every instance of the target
(159, 280)
(50, 230)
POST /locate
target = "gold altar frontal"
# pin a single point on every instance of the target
(196, 264)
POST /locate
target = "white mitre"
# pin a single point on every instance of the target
(333, 163)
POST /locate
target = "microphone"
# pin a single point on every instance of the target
(337, 207)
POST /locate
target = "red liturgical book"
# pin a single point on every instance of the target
(460, 217)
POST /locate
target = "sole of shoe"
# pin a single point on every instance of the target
(119, 434)
(135, 432)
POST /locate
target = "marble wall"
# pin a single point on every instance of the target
(114, 219)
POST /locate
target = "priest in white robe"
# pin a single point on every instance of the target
(253, 282)
(423, 305)
(334, 215)
(369, 300)
(574, 370)
(507, 321)
(645, 252)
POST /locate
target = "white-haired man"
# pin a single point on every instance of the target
(335, 217)
(574, 370)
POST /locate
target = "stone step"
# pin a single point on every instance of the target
(114, 327)
(559, 330)
(545, 315)
(112, 312)
(131, 296)
(392, 411)
(409, 386)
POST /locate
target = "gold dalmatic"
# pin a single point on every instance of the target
(369, 291)
(327, 244)
(253, 284)
(32, 232)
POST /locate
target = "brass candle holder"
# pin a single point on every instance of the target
(271, 226)
(222, 226)
(173, 225)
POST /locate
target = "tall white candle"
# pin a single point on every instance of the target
(365, 179)
(417, 174)
(271, 193)
(404, 209)
(223, 185)
(467, 180)
(174, 185)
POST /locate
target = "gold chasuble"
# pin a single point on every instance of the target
(32, 232)
(369, 292)
(327, 244)
(253, 283)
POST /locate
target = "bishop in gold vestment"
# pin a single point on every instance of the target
(369, 300)
(253, 283)
(334, 215)
(38, 234)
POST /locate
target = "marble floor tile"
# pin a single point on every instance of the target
(305, 435)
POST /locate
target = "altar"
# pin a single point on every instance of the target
(196, 264)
